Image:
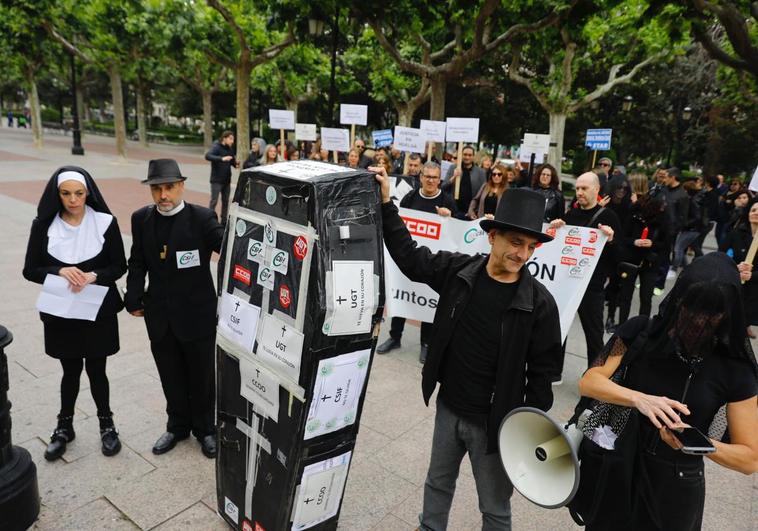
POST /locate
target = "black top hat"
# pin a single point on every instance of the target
(520, 210)
(162, 171)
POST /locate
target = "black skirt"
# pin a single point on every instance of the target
(77, 338)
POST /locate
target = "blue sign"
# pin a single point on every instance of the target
(598, 139)
(382, 138)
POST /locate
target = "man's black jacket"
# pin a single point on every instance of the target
(180, 298)
(221, 171)
(530, 339)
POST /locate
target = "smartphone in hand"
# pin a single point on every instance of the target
(693, 441)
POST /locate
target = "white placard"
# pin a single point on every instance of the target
(350, 301)
(303, 169)
(280, 346)
(320, 491)
(399, 188)
(335, 139)
(409, 139)
(526, 152)
(445, 166)
(305, 132)
(238, 321)
(536, 143)
(353, 114)
(564, 266)
(57, 298)
(281, 119)
(339, 384)
(462, 130)
(259, 388)
(754, 181)
(435, 130)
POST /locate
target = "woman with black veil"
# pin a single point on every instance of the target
(75, 237)
(693, 359)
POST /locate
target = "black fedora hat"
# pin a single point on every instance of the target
(520, 210)
(162, 171)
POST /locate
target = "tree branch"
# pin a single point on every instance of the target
(215, 4)
(613, 81)
(567, 65)
(219, 59)
(272, 51)
(439, 54)
(716, 51)
(69, 47)
(515, 75)
(516, 30)
(404, 64)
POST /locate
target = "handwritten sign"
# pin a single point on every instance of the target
(335, 139)
(281, 119)
(353, 114)
(410, 139)
(462, 130)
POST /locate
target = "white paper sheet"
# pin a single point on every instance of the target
(260, 388)
(57, 299)
(305, 132)
(281, 119)
(410, 139)
(339, 384)
(280, 346)
(320, 491)
(350, 301)
(238, 321)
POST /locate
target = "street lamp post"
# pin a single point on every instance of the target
(77, 148)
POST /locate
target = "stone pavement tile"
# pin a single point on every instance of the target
(386, 381)
(123, 390)
(408, 455)
(391, 523)
(64, 487)
(99, 514)
(156, 497)
(395, 415)
(33, 421)
(727, 486)
(368, 443)
(33, 391)
(185, 453)
(720, 516)
(199, 516)
(28, 350)
(530, 517)
(464, 512)
(370, 494)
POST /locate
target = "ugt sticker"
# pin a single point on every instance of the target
(300, 247)
(242, 274)
(285, 299)
(185, 259)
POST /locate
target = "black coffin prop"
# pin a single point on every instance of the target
(300, 298)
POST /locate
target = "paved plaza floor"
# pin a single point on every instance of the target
(138, 490)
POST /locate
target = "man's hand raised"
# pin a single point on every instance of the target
(384, 181)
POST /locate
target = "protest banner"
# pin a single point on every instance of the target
(382, 138)
(598, 140)
(352, 115)
(305, 132)
(435, 132)
(282, 120)
(335, 140)
(461, 130)
(564, 266)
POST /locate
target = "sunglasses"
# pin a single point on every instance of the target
(605, 164)
(497, 173)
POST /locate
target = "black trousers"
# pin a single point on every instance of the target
(398, 325)
(591, 316)
(647, 275)
(187, 372)
(224, 190)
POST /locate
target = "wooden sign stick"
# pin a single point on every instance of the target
(405, 164)
(459, 163)
(352, 136)
(429, 151)
(282, 147)
(336, 157)
(752, 250)
(594, 154)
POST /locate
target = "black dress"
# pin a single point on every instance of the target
(738, 240)
(78, 338)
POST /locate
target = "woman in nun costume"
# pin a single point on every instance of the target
(75, 237)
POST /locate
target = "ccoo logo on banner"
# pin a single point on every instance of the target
(564, 265)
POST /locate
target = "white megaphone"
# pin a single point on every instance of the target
(540, 456)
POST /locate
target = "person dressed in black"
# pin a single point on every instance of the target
(693, 360)
(736, 244)
(484, 204)
(546, 181)
(427, 198)
(222, 160)
(588, 213)
(172, 243)
(74, 236)
(472, 178)
(495, 343)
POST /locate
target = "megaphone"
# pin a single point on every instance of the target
(540, 457)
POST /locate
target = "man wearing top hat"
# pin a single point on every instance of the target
(494, 346)
(172, 242)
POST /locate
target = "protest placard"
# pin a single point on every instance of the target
(335, 140)
(409, 139)
(305, 132)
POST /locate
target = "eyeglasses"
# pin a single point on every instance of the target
(431, 177)
(494, 173)
(605, 164)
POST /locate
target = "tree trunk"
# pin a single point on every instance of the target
(292, 105)
(36, 118)
(437, 104)
(557, 129)
(141, 125)
(243, 109)
(405, 115)
(207, 96)
(119, 124)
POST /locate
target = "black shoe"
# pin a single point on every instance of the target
(110, 443)
(390, 344)
(166, 442)
(208, 445)
(610, 326)
(422, 353)
(63, 434)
